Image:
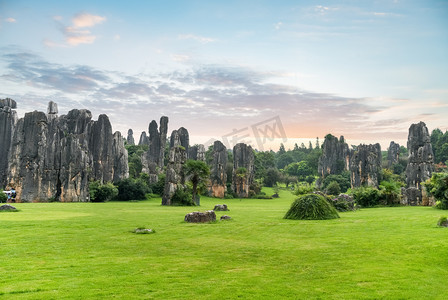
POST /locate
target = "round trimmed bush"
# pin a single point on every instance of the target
(311, 207)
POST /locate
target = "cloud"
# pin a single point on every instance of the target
(201, 39)
(278, 25)
(10, 20)
(211, 100)
(180, 57)
(77, 34)
(87, 20)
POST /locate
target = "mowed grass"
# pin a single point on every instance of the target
(87, 251)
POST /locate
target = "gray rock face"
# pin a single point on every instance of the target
(411, 196)
(200, 217)
(8, 120)
(180, 137)
(144, 140)
(243, 169)
(58, 156)
(130, 139)
(175, 177)
(225, 218)
(365, 166)
(218, 174)
(153, 159)
(197, 152)
(335, 156)
(420, 163)
(393, 154)
(8, 102)
(52, 108)
(421, 158)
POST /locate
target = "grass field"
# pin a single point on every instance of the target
(87, 251)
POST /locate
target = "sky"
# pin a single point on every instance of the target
(261, 72)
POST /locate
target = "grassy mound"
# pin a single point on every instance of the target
(311, 207)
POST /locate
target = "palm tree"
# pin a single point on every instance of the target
(196, 171)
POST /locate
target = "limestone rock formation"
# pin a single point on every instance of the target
(144, 140)
(52, 108)
(180, 137)
(243, 169)
(335, 156)
(420, 162)
(153, 159)
(200, 217)
(365, 166)
(421, 157)
(411, 196)
(197, 152)
(225, 218)
(8, 120)
(174, 170)
(218, 174)
(56, 157)
(393, 154)
(130, 139)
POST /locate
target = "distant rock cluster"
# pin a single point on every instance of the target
(43, 155)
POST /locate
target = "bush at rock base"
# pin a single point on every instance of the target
(311, 207)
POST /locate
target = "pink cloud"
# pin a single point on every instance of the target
(87, 20)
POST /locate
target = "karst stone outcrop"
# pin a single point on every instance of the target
(335, 156)
(144, 140)
(200, 217)
(8, 120)
(365, 166)
(153, 159)
(130, 138)
(197, 152)
(393, 154)
(243, 169)
(56, 157)
(174, 178)
(182, 136)
(218, 174)
(420, 161)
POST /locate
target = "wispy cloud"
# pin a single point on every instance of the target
(200, 39)
(10, 20)
(77, 33)
(214, 99)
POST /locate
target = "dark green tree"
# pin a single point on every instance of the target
(196, 171)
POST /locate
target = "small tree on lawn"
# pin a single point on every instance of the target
(196, 171)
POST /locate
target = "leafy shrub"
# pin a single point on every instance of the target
(157, 188)
(102, 192)
(366, 196)
(182, 197)
(311, 207)
(344, 202)
(132, 189)
(333, 188)
(3, 197)
(438, 187)
(303, 188)
(443, 221)
(343, 180)
(272, 177)
(390, 193)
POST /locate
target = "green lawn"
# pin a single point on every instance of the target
(87, 251)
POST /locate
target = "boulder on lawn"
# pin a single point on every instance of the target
(220, 207)
(225, 217)
(200, 217)
(7, 207)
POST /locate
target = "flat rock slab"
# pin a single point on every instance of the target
(7, 207)
(200, 217)
(221, 207)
